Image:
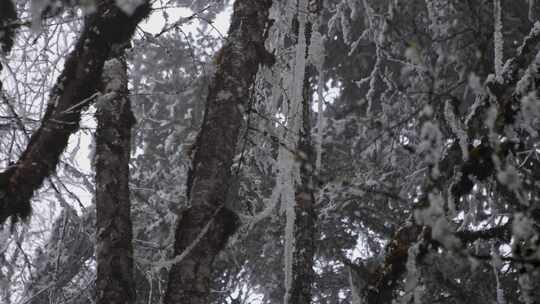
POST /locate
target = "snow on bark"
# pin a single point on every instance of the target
(289, 176)
(498, 39)
(373, 77)
(77, 83)
(292, 155)
(526, 82)
(237, 63)
(519, 60)
(321, 124)
(114, 251)
(413, 289)
(355, 290)
(377, 38)
(496, 264)
(345, 23)
(316, 58)
(317, 53)
(290, 217)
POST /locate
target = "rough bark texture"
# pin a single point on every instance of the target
(8, 16)
(203, 228)
(304, 224)
(106, 32)
(303, 275)
(114, 251)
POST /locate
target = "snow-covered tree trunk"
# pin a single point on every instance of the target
(204, 227)
(106, 31)
(304, 221)
(114, 251)
(300, 289)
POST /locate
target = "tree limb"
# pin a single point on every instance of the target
(208, 181)
(105, 32)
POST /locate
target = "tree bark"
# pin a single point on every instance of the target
(204, 227)
(114, 251)
(8, 16)
(105, 32)
(304, 223)
(303, 275)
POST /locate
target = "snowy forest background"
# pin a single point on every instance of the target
(319, 151)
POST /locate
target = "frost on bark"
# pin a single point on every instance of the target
(114, 251)
(106, 31)
(304, 222)
(204, 227)
(300, 289)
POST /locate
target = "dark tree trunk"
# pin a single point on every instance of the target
(114, 251)
(8, 16)
(203, 228)
(105, 32)
(304, 224)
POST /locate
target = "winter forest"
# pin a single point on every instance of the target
(269, 151)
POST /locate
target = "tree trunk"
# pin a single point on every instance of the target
(114, 251)
(105, 32)
(8, 16)
(304, 223)
(203, 228)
